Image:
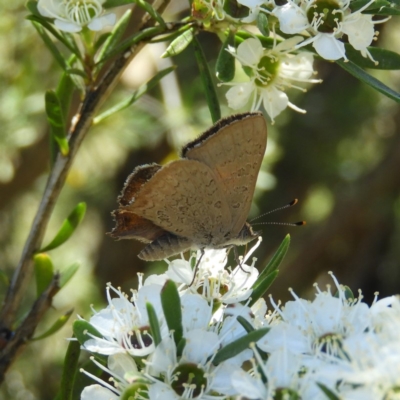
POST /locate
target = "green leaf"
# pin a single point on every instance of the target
(237, 346)
(358, 4)
(180, 347)
(50, 45)
(384, 11)
(4, 280)
(328, 393)
(246, 324)
(179, 44)
(68, 227)
(44, 272)
(208, 84)
(56, 120)
(100, 41)
(67, 40)
(262, 24)
(386, 59)
(225, 67)
(70, 370)
(263, 286)
(151, 11)
(154, 325)
(32, 7)
(81, 330)
(275, 260)
(136, 95)
(115, 36)
(116, 3)
(68, 274)
(171, 304)
(363, 76)
(138, 37)
(58, 324)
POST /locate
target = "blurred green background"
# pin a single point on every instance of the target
(341, 160)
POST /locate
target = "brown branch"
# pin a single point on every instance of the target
(13, 340)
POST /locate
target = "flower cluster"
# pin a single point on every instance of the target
(277, 58)
(226, 346)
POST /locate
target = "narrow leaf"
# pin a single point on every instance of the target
(154, 325)
(116, 3)
(246, 324)
(55, 117)
(262, 24)
(81, 330)
(115, 36)
(225, 67)
(70, 370)
(141, 36)
(171, 304)
(68, 274)
(68, 227)
(179, 44)
(328, 393)
(363, 76)
(237, 346)
(263, 286)
(275, 260)
(208, 85)
(32, 7)
(386, 59)
(151, 11)
(67, 41)
(58, 324)
(136, 95)
(44, 272)
(51, 46)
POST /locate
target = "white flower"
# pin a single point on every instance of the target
(123, 372)
(318, 327)
(192, 375)
(326, 22)
(124, 324)
(73, 15)
(270, 73)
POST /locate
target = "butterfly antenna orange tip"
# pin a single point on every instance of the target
(300, 223)
(291, 204)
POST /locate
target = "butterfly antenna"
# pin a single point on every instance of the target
(291, 204)
(300, 223)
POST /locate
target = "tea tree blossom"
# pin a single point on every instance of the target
(335, 341)
(270, 72)
(73, 15)
(325, 22)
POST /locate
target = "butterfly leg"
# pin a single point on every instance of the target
(196, 268)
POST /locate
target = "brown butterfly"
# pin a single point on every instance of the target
(201, 200)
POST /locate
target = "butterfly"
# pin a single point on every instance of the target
(201, 200)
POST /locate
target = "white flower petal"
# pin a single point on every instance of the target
(97, 392)
(238, 95)
(196, 312)
(360, 32)
(274, 101)
(292, 18)
(99, 23)
(67, 26)
(250, 52)
(329, 47)
(120, 364)
(200, 345)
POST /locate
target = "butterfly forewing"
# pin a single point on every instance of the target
(234, 150)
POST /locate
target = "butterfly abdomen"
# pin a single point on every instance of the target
(165, 246)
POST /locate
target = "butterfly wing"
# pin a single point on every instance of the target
(233, 149)
(185, 198)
